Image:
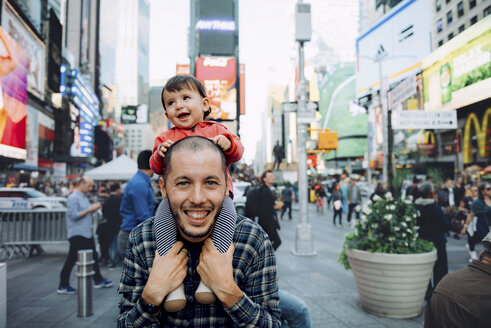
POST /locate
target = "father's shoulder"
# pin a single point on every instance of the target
(144, 231)
(248, 231)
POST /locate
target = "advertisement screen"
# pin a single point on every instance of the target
(46, 130)
(83, 140)
(215, 26)
(219, 75)
(13, 101)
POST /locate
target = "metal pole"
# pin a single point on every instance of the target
(383, 106)
(304, 245)
(84, 274)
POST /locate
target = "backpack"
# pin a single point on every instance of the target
(252, 202)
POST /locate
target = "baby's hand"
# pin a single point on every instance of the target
(163, 147)
(222, 141)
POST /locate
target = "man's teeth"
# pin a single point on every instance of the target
(197, 215)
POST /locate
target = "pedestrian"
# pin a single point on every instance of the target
(379, 191)
(472, 237)
(279, 154)
(288, 198)
(412, 190)
(463, 298)
(479, 219)
(266, 210)
(295, 190)
(353, 197)
(244, 279)
(432, 227)
(320, 192)
(79, 233)
(110, 210)
(337, 204)
(138, 200)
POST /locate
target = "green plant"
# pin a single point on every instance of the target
(436, 176)
(386, 226)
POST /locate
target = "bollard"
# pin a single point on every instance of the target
(84, 274)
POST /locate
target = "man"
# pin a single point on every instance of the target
(79, 231)
(110, 210)
(266, 210)
(353, 196)
(463, 298)
(243, 279)
(278, 155)
(138, 200)
(412, 190)
(288, 198)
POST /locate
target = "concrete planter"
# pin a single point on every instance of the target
(391, 285)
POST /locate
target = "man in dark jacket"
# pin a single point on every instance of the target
(432, 227)
(266, 212)
(463, 298)
(110, 210)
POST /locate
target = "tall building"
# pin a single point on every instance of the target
(156, 115)
(138, 137)
(451, 17)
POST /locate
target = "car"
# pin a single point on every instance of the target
(240, 189)
(28, 198)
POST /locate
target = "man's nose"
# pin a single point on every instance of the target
(197, 195)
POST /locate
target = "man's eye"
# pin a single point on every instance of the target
(183, 184)
(211, 183)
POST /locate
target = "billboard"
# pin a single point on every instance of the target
(459, 72)
(404, 34)
(32, 140)
(14, 65)
(134, 114)
(46, 138)
(83, 139)
(31, 45)
(219, 75)
(216, 27)
(54, 56)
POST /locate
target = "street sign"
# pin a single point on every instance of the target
(424, 119)
(289, 106)
(402, 91)
(328, 140)
(306, 117)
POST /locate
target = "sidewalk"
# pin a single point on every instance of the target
(326, 287)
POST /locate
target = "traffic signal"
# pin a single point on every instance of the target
(328, 140)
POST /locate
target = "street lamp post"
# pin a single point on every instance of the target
(304, 245)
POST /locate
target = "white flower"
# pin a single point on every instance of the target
(364, 219)
(368, 202)
(406, 244)
(404, 235)
(411, 197)
(368, 211)
(374, 225)
(408, 219)
(404, 224)
(392, 207)
(388, 195)
(388, 217)
(397, 228)
(376, 198)
(409, 230)
(408, 201)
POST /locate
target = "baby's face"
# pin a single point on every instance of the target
(185, 108)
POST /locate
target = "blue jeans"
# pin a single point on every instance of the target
(114, 251)
(294, 311)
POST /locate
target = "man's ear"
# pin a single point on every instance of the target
(162, 187)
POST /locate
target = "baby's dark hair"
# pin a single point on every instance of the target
(179, 82)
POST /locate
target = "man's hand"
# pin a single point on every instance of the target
(216, 272)
(222, 141)
(163, 147)
(95, 207)
(167, 273)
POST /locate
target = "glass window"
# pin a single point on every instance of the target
(472, 4)
(450, 36)
(440, 43)
(448, 1)
(449, 18)
(438, 5)
(461, 28)
(486, 11)
(473, 20)
(439, 25)
(460, 9)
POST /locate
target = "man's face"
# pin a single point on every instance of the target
(85, 186)
(449, 184)
(269, 179)
(195, 195)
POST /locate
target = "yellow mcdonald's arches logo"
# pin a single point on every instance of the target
(426, 137)
(482, 134)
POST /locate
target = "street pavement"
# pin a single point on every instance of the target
(327, 288)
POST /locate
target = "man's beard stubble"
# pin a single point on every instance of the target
(188, 233)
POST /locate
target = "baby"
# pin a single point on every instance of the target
(186, 105)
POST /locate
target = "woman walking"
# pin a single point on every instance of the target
(337, 204)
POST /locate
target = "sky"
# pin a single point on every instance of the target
(266, 47)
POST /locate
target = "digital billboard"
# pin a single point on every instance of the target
(216, 27)
(13, 97)
(54, 55)
(219, 75)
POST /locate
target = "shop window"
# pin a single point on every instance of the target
(438, 5)
(439, 25)
(473, 20)
(486, 11)
(450, 36)
(449, 18)
(448, 1)
(440, 43)
(460, 9)
(461, 28)
(472, 4)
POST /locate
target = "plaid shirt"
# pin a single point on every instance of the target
(254, 266)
